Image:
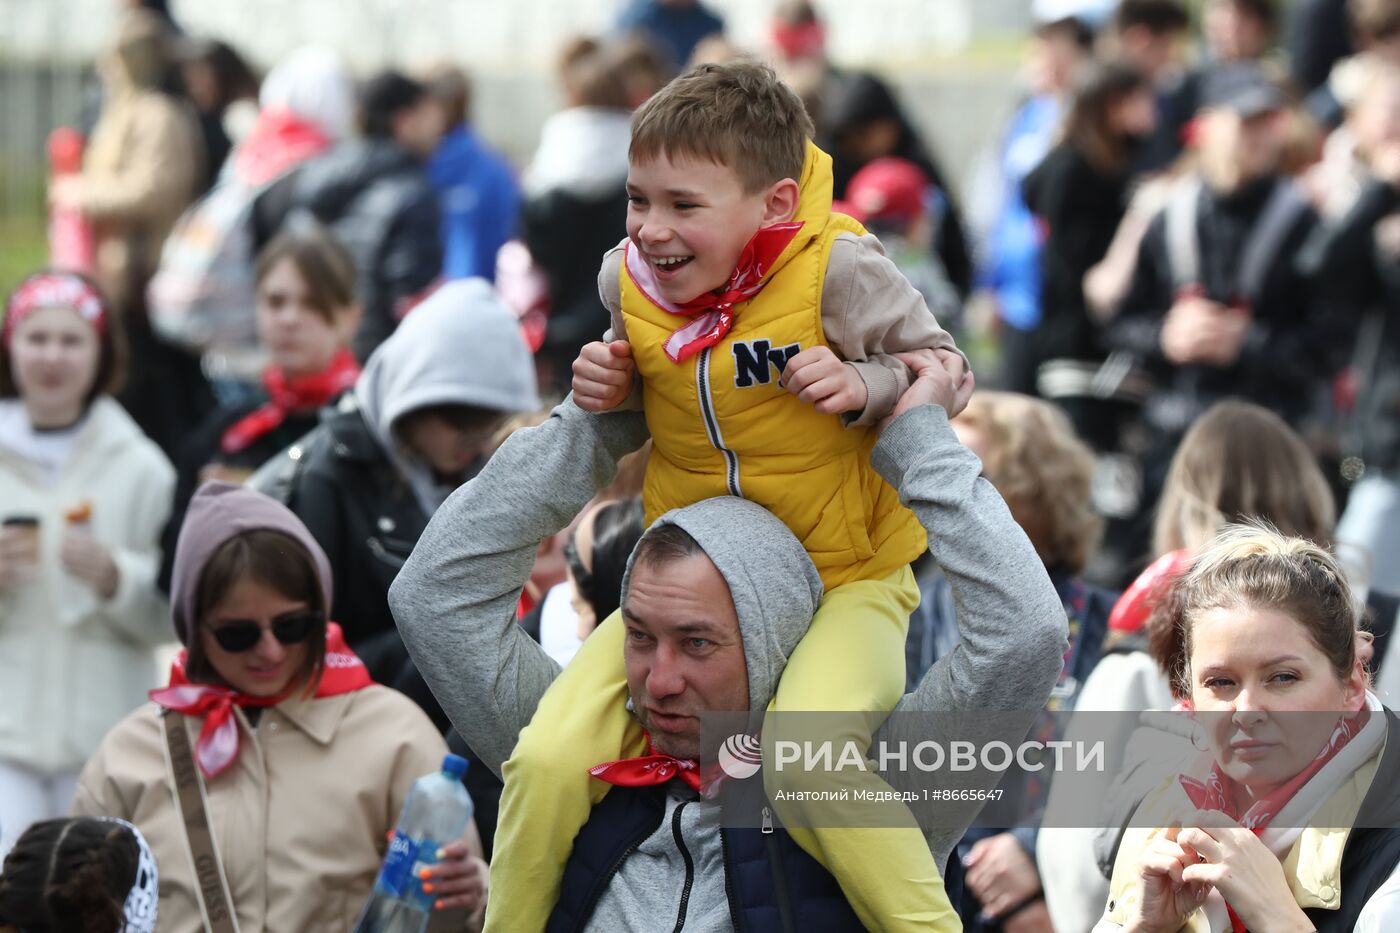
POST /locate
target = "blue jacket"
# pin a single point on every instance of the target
(480, 202)
(1011, 266)
(678, 30)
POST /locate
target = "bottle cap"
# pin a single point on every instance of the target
(454, 765)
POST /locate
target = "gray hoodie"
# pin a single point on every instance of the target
(455, 605)
(461, 347)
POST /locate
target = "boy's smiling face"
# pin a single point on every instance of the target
(691, 220)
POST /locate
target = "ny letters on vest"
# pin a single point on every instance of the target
(722, 424)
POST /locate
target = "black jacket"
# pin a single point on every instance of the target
(1288, 350)
(1081, 208)
(567, 235)
(376, 197)
(1362, 286)
(202, 448)
(858, 99)
(367, 519)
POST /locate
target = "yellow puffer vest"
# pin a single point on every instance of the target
(721, 425)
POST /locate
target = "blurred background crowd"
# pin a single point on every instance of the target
(1167, 232)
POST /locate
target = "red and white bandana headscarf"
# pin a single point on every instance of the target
(54, 290)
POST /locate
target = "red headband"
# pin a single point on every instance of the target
(799, 41)
(54, 290)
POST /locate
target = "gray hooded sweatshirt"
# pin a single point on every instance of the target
(455, 600)
(461, 347)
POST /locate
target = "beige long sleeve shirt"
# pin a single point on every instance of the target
(869, 312)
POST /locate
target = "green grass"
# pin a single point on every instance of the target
(24, 247)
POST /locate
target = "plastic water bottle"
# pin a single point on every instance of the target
(436, 812)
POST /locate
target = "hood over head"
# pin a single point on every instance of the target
(314, 84)
(143, 48)
(461, 346)
(217, 513)
(774, 585)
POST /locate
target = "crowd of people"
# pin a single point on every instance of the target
(332, 440)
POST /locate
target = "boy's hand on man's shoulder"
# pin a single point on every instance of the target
(603, 375)
(823, 380)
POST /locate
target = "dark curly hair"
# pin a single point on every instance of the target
(69, 876)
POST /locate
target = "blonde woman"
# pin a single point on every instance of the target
(1266, 626)
(1237, 462)
(1030, 453)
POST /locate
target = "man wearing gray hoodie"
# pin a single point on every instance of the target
(651, 854)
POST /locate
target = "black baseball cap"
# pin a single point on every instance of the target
(1242, 87)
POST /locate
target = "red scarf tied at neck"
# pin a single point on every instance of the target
(712, 314)
(1220, 792)
(217, 748)
(286, 395)
(657, 768)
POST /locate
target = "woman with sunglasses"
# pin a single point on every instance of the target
(83, 497)
(304, 761)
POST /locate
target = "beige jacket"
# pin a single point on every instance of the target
(300, 819)
(141, 170)
(71, 662)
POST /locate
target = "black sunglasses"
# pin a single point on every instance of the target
(291, 629)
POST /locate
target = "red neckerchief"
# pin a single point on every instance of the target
(1131, 611)
(278, 140)
(712, 314)
(289, 395)
(1220, 792)
(654, 767)
(217, 748)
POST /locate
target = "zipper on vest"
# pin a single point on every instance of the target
(728, 878)
(780, 878)
(707, 411)
(767, 822)
(602, 883)
(689, 867)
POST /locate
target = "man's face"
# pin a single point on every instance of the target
(1233, 33)
(420, 127)
(683, 651)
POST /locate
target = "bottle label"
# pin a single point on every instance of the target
(427, 858)
(396, 875)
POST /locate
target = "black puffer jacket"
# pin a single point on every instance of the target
(1361, 281)
(376, 198)
(1288, 350)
